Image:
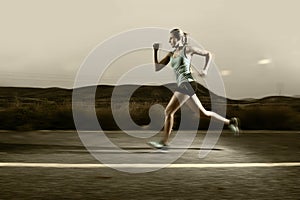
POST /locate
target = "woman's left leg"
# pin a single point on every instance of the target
(233, 124)
(194, 103)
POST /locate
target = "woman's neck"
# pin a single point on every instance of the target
(178, 47)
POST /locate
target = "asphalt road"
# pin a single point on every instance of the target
(186, 182)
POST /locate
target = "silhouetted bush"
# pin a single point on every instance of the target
(269, 117)
(37, 117)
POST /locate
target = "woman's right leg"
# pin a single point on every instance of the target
(177, 100)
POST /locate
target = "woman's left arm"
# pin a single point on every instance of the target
(201, 52)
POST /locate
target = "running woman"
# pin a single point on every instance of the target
(180, 59)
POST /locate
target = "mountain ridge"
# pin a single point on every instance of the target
(23, 108)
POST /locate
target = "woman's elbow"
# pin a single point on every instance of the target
(158, 67)
(209, 54)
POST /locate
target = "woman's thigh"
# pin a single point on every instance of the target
(177, 100)
(194, 103)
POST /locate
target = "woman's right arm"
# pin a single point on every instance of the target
(163, 62)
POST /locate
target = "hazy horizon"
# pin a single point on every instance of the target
(111, 85)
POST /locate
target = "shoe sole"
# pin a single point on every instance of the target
(158, 148)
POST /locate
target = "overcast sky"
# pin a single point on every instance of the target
(256, 43)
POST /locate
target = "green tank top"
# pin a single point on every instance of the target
(181, 66)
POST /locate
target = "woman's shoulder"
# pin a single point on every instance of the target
(189, 48)
(170, 53)
(194, 49)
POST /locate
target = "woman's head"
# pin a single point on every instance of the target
(177, 37)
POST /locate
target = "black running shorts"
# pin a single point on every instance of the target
(188, 88)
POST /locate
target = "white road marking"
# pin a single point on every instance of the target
(139, 165)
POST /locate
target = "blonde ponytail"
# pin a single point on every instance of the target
(185, 38)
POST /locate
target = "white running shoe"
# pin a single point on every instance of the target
(158, 145)
(234, 126)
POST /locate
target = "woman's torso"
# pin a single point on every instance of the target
(181, 66)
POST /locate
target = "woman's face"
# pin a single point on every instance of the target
(174, 41)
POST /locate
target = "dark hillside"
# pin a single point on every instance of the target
(51, 108)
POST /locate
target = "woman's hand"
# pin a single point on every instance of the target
(156, 46)
(203, 73)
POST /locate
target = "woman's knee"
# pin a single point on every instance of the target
(207, 113)
(169, 112)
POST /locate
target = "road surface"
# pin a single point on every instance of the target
(55, 165)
